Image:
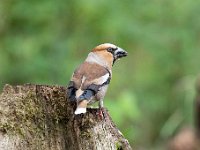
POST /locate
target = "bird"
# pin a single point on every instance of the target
(90, 80)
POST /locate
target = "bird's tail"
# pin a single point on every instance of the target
(81, 107)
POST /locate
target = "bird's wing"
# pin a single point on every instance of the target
(93, 74)
(89, 77)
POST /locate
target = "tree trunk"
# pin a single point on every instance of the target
(38, 117)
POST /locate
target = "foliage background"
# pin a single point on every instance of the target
(152, 90)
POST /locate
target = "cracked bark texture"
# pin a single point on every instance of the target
(39, 117)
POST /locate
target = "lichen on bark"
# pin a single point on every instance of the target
(40, 117)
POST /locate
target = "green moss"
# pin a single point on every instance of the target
(30, 115)
(21, 115)
(5, 127)
(86, 134)
(119, 146)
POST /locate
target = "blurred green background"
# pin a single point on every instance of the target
(152, 90)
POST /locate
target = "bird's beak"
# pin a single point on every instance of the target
(119, 53)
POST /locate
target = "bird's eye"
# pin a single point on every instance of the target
(111, 49)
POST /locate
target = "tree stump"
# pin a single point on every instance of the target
(39, 117)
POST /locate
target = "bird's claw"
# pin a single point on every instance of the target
(101, 114)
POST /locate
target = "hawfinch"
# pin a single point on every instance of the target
(90, 80)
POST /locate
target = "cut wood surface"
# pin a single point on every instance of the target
(39, 117)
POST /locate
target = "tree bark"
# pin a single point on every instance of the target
(38, 117)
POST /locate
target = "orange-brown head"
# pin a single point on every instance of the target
(109, 52)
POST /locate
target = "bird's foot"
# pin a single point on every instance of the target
(101, 114)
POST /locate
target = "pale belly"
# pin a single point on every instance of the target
(100, 95)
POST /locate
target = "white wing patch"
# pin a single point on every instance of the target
(79, 91)
(104, 78)
(101, 80)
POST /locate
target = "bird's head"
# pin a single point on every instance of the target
(109, 52)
